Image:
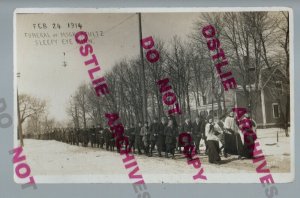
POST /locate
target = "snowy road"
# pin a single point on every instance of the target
(52, 158)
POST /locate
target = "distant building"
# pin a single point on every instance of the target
(268, 98)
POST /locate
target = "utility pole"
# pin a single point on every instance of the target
(249, 70)
(20, 132)
(212, 94)
(142, 72)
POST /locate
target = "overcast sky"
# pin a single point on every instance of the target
(41, 67)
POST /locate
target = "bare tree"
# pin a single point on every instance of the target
(207, 78)
(30, 107)
(80, 99)
(248, 39)
(283, 40)
(72, 111)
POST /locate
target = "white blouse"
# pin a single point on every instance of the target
(210, 134)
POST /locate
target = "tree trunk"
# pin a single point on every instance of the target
(188, 102)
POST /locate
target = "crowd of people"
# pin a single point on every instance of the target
(221, 137)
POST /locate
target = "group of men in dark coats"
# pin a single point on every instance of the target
(96, 137)
(160, 136)
(163, 135)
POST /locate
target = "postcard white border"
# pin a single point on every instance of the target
(211, 178)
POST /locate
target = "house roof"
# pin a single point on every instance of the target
(266, 74)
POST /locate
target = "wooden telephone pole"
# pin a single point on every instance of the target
(20, 132)
(143, 83)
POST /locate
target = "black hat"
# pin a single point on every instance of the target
(209, 117)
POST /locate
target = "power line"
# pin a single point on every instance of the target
(119, 23)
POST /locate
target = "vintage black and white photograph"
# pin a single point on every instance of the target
(155, 95)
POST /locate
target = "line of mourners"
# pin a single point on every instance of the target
(163, 137)
(154, 139)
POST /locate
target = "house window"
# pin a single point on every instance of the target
(278, 85)
(275, 108)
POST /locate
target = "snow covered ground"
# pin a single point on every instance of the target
(53, 161)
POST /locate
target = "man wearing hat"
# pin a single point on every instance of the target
(197, 132)
(138, 139)
(92, 136)
(154, 130)
(171, 133)
(186, 127)
(145, 138)
(131, 134)
(161, 136)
